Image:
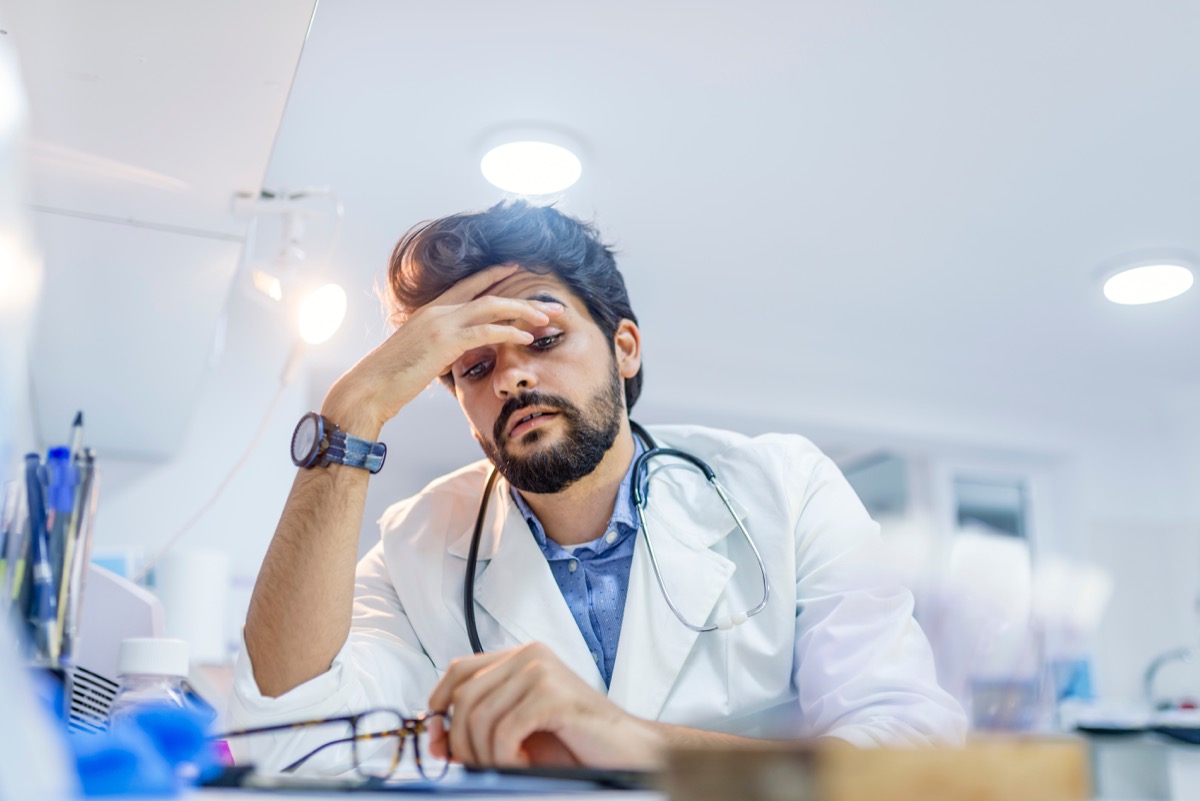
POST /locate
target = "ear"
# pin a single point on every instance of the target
(627, 345)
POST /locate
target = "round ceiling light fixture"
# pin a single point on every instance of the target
(531, 159)
(1148, 281)
(530, 167)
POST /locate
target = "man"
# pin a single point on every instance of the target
(521, 312)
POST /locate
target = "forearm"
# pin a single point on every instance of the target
(672, 736)
(299, 615)
(646, 747)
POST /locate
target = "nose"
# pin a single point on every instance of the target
(512, 374)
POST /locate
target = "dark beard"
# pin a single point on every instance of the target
(587, 438)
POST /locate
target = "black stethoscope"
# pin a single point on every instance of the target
(640, 487)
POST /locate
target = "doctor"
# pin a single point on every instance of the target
(522, 314)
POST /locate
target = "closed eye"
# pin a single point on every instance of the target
(482, 368)
(477, 371)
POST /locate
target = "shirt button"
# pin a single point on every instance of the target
(611, 538)
(572, 565)
(595, 656)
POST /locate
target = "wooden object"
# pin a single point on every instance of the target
(987, 769)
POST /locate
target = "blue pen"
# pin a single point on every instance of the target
(63, 478)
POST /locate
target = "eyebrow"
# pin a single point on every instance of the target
(546, 297)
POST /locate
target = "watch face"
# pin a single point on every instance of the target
(304, 440)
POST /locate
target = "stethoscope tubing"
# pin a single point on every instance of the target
(641, 499)
(472, 561)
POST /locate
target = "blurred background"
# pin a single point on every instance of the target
(883, 226)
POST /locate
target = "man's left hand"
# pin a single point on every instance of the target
(524, 707)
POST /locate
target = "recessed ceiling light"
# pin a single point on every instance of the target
(1148, 283)
(531, 167)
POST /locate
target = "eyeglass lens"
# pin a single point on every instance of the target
(378, 743)
(431, 767)
(380, 747)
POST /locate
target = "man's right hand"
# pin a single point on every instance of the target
(427, 344)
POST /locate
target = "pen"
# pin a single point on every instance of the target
(21, 585)
(70, 555)
(79, 547)
(18, 547)
(12, 521)
(41, 614)
(77, 435)
(60, 504)
(7, 522)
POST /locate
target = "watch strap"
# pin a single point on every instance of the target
(354, 451)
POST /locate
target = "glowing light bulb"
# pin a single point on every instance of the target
(321, 313)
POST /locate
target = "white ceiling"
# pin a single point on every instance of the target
(815, 203)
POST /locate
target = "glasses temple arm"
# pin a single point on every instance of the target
(278, 727)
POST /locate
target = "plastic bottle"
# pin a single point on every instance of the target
(151, 672)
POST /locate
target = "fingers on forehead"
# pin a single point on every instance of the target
(479, 283)
(517, 306)
(482, 282)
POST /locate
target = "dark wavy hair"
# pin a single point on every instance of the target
(433, 256)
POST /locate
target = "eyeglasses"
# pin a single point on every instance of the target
(374, 746)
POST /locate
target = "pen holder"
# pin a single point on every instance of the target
(45, 545)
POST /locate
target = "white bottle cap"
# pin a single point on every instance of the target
(153, 656)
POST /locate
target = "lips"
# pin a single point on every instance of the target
(526, 420)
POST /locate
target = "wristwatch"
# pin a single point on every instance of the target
(318, 442)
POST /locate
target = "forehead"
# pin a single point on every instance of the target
(528, 285)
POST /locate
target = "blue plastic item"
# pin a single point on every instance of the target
(160, 753)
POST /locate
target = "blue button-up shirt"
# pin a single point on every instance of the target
(594, 576)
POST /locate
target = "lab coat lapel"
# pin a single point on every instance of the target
(517, 588)
(685, 516)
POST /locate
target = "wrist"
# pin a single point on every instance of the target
(642, 744)
(353, 417)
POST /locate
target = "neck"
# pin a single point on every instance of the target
(581, 512)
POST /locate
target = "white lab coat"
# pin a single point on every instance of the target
(836, 651)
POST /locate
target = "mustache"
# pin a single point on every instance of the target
(523, 401)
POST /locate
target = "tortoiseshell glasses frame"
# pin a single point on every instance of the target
(373, 724)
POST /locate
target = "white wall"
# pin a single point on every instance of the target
(20, 269)
(144, 504)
